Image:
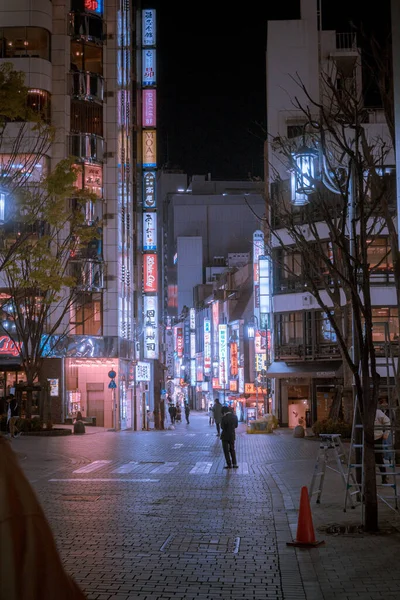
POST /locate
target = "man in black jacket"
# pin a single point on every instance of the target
(228, 424)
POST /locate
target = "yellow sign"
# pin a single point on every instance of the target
(250, 388)
(149, 148)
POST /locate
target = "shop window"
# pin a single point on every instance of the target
(24, 42)
(86, 117)
(86, 315)
(86, 57)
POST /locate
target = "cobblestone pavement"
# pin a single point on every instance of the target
(154, 516)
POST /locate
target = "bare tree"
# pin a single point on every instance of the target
(328, 236)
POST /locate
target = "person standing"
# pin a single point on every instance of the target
(211, 415)
(217, 411)
(172, 413)
(13, 414)
(187, 412)
(229, 424)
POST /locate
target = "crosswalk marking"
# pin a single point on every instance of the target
(127, 468)
(103, 479)
(165, 468)
(93, 466)
(201, 468)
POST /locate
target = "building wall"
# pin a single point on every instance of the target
(190, 269)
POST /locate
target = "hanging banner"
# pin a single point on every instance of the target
(149, 108)
(207, 346)
(223, 355)
(149, 148)
(149, 231)
(149, 68)
(150, 320)
(149, 27)
(149, 189)
(150, 276)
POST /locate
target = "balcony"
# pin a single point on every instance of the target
(89, 28)
(84, 85)
(86, 147)
(307, 351)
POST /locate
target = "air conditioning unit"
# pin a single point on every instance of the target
(306, 300)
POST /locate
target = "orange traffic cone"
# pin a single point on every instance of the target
(305, 529)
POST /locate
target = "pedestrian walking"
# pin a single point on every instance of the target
(30, 565)
(13, 414)
(381, 421)
(187, 412)
(229, 423)
(178, 413)
(211, 415)
(217, 412)
(172, 413)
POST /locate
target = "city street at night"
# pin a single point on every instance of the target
(153, 515)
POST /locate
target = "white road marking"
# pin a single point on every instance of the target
(201, 468)
(115, 480)
(93, 466)
(127, 468)
(175, 446)
(166, 468)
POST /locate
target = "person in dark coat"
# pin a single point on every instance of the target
(217, 410)
(187, 412)
(172, 413)
(229, 423)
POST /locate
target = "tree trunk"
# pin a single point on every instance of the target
(370, 497)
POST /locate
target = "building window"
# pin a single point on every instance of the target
(85, 26)
(39, 102)
(2, 207)
(385, 324)
(86, 57)
(24, 42)
(290, 329)
(86, 315)
(86, 117)
(325, 332)
(379, 255)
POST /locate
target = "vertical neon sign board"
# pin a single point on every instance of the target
(149, 148)
(149, 68)
(150, 319)
(149, 27)
(207, 346)
(258, 250)
(149, 108)
(149, 190)
(149, 231)
(223, 354)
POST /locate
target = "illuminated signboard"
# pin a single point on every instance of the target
(149, 231)
(149, 68)
(149, 108)
(215, 383)
(223, 354)
(150, 319)
(261, 362)
(149, 189)
(258, 250)
(260, 342)
(193, 371)
(149, 148)
(234, 358)
(169, 353)
(94, 6)
(53, 383)
(199, 367)
(192, 318)
(143, 371)
(7, 346)
(149, 273)
(207, 346)
(149, 27)
(250, 388)
(233, 385)
(90, 178)
(192, 344)
(241, 380)
(22, 167)
(179, 342)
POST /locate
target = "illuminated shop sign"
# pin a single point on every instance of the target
(7, 346)
(265, 289)
(23, 166)
(234, 359)
(250, 388)
(233, 385)
(261, 362)
(94, 6)
(192, 318)
(149, 189)
(193, 371)
(169, 353)
(149, 27)
(259, 342)
(149, 68)
(199, 367)
(149, 149)
(179, 342)
(143, 371)
(149, 108)
(149, 273)
(150, 319)
(258, 250)
(149, 231)
(207, 346)
(223, 354)
(90, 178)
(241, 380)
(192, 344)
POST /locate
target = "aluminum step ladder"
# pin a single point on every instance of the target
(331, 452)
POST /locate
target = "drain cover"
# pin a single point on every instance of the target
(344, 529)
(217, 544)
(80, 498)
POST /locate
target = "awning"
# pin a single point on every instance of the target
(322, 370)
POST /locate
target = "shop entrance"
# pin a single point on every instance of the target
(299, 405)
(95, 402)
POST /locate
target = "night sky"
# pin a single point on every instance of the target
(211, 79)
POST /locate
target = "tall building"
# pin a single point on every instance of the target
(307, 370)
(81, 59)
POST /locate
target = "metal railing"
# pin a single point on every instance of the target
(86, 86)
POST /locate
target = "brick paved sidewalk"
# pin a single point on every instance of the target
(153, 516)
